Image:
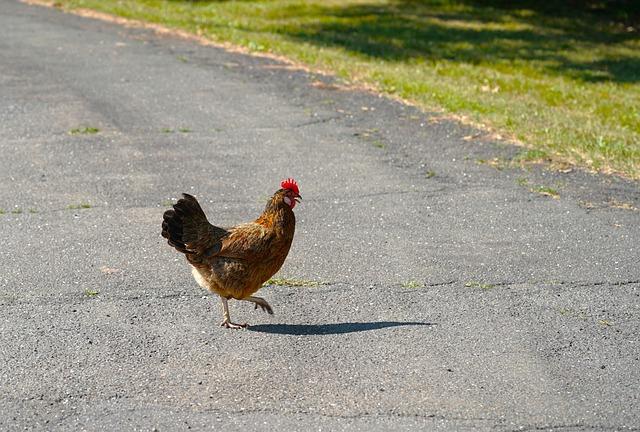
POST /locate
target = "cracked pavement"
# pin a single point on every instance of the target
(450, 296)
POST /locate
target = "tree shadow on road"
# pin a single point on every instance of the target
(328, 329)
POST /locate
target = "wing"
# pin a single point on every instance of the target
(246, 242)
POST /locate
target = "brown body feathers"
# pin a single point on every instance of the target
(232, 262)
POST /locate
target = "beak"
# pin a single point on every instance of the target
(297, 198)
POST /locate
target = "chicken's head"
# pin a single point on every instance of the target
(290, 191)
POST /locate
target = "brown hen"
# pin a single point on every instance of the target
(234, 262)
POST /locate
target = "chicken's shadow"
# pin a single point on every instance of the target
(329, 329)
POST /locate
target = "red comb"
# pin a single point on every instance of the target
(291, 185)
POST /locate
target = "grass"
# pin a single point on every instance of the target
(430, 174)
(531, 156)
(181, 130)
(481, 285)
(412, 284)
(293, 282)
(583, 315)
(91, 293)
(539, 189)
(82, 205)
(559, 77)
(496, 163)
(88, 130)
(16, 210)
(546, 191)
(2, 212)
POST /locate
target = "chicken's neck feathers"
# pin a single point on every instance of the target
(278, 217)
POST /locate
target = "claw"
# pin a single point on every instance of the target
(258, 301)
(230, 325)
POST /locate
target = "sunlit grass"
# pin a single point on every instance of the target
(566, 85)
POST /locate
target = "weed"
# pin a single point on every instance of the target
(475, 284)
(87, 130)
(531, 156)
(412, 284)
(16, 210)
(496, 163)
(184, 130)
(91, 293)
(540, 189)
(293, 282)
(546, 191)
(580, 314)
(430, 174)
(82, 205)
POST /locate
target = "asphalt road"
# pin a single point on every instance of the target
(458, 300)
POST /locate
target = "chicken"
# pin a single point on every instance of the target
(234, 262)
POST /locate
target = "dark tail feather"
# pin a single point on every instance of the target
(188, 212)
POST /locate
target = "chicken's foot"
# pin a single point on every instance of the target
(259, 301)
(227, 319)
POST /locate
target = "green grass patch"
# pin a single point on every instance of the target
(82, 205)
(560, 77)
(2, 212)
(481, 285)
(497, 163)
(412, 284)
(539, 189)
(430, 174)
(531, 156)
(546, 191)
(16, 210)
(293, 282)
(180, 129)
(88, 130)
(91, 293)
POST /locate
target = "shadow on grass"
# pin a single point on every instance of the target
(329, 329)
(578, 46)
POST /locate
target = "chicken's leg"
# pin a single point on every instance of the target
(259, 301)
(227, 320)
